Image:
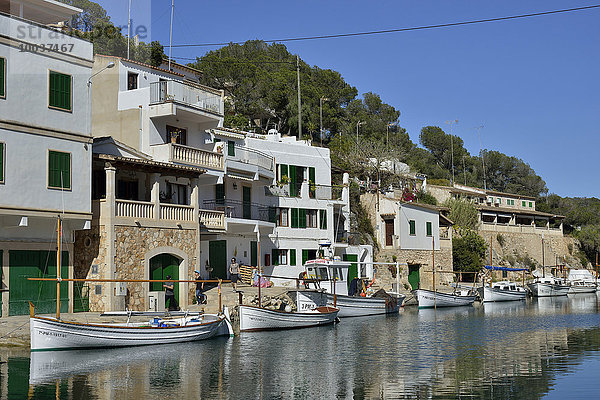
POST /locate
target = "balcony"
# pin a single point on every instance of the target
(144, 212)
(319, 192)
(195, 96)
(176, 153)
(250, 156)
(240, 210)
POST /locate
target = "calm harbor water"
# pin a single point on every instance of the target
(542, 348)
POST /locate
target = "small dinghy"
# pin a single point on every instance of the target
(430, 299)
(253, 318)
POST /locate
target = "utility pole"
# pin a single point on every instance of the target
(454, 121)
(479, 128)
(129, 30)
(171, 32)
(299, 100)
(464, 170)
(321, 116)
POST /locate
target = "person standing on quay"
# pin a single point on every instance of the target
(234, 270)
(200, 296)
(170, 295)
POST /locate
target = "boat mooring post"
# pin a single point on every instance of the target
(219, 291)
(259, 285)
(433, 271)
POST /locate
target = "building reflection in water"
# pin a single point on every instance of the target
(507, 350)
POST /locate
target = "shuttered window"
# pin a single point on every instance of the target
(60, 91)
(275, 256)
(220, 194)
(292, 257)
(231, 148)
(283, 171)
(59, 170)
(294, 218)
(2, 77)
(311, 181)
(412, 227)
(301, 218)
(323, 219)
(429, 229)
(2, 157)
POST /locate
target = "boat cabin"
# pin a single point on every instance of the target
(322, 272)
(507, 285)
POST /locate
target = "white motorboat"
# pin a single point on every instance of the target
(581, 281)
(503, 291)
(328, 277)
(548, 287)
(254, 318)
(350, 306)
(429, 298)
(49, 333)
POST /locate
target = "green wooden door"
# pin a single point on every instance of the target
(353, 269)
(217, 257)
(254, 254)
(246, 203)
(161, 266)
(413, 276)
(81, 297)
(36, 264)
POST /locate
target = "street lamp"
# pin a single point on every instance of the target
(359, 123)
(321, 115)
(89, 94)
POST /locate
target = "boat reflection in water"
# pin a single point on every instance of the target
(508, 350)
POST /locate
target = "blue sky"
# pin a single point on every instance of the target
(532, 83)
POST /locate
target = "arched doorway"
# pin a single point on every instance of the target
(161, 266)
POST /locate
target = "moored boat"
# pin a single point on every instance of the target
(581, 281)
(49, 333)
(429, 298)
(548, 287)
(254, 318)
(503, 291)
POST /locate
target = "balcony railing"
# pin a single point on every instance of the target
(250, 156)
(134, 209)
(192, 156)
(324, 192)
(319, 192)
(211, 219)
(179, 92)
(176, 212)
(238, 209)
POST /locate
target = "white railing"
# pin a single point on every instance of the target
(134, 209)
(179, 92)
(176, 212)
(212, 219)
(251, 156)
(196, 157)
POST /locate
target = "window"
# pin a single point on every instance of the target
(311, 218)
(523, 203)
(429, 229)
(220, 194)
(59, 170)
(2, 78)
(301, 218)
(177, 194)
(128, 190)
(323, 219)
(132, 81)
(176, 135)
(267, 260)
(283, 172)
(2, 157)
(530, 204)
(412, 227)
(231, 148)
(499, 200)
(294, 214)
(282, 217)
(312, 190)
(490, 199)
(60, 91)
(279, 256)
(292, 257)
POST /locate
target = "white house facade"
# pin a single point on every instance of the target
(45, 150)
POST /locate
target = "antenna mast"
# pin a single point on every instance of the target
(482, 157)
(129, 30)
(171, 32)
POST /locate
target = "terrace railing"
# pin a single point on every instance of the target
(185, 93)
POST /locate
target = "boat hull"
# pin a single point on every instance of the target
(539, 289)
(494, 294)
(350, 306)
(428, 299)
(52, 334)
(262, 319)
(582, 289)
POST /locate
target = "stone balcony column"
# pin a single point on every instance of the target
(111, 174)
(195, 199)
(346, 189)
(155, 194)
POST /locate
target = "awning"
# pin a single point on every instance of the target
(487, 214)
(239, 176)
(505, 268)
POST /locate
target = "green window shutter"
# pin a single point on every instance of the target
(275, 256)
(412, 227)
(60, 91)
(312, 183)
(2, 77)
(302, 218)
(323, 219)
(293, 183)
(294, 218)
(1, 162)
(231, 148)
(304, 256)
(530, 204)
(292, 257)
(429, 229)
(59, 170)
(523, 203)
(220, 194)
(283, 171)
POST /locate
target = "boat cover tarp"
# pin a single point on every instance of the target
(493, 268)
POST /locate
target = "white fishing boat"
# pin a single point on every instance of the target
(329, 278)
(53, 333)
(49, 333)
(548, 287)
(581, 281)
(429, 299)
(503, 291)
(254, 318)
